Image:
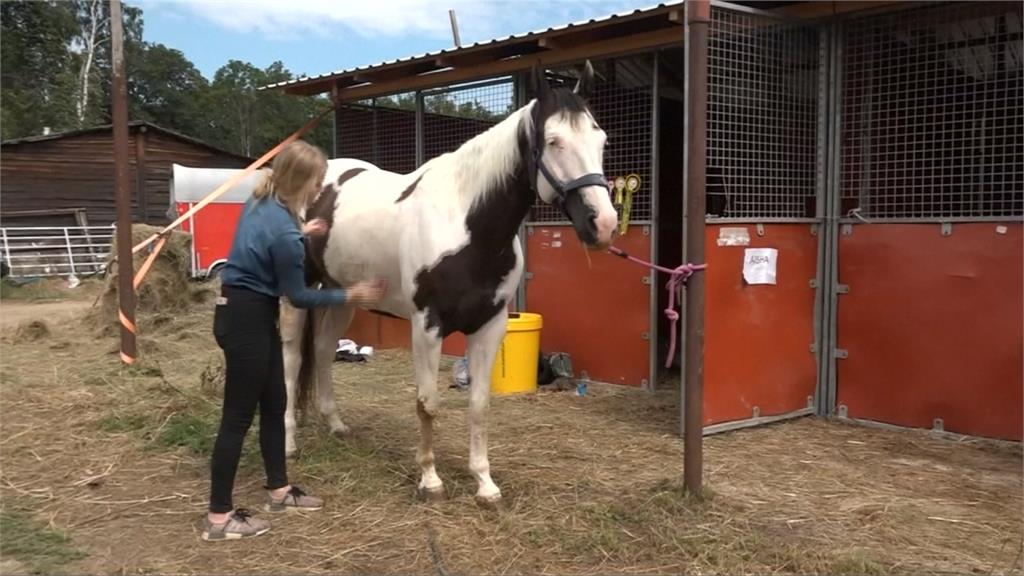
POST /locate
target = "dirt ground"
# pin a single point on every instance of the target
(104, 469)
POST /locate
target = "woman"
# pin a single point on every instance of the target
(266, 262)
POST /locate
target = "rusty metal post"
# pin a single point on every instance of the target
(698, 15)
(122, 187)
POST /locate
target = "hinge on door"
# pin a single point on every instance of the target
(847, 229)
(814, 283)
(938, 425)
(947, 229)
(810, 401)
(647, 230)
(814, 348)
(842, 411)
(842, 288)
(757, 412)
(814, 229)
(760, 229)
(842, 353)
(645, 335)
(647, 280)
(529, 275)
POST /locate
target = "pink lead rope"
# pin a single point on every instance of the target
(678, 277)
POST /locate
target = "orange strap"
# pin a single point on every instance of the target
(232, 181)
(144, 269)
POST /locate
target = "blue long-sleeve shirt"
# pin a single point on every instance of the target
(268, 256)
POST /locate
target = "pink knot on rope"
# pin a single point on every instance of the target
(677, 279)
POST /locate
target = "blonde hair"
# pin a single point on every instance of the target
(291, 172)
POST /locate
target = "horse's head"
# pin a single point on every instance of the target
(567, 157)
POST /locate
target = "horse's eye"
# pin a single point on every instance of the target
(555, 142)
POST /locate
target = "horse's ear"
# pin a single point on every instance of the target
(539, 82)
(585, 85)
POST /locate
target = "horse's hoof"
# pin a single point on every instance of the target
(341, 433)
(292, 455)
(490, 502)
(431, 494)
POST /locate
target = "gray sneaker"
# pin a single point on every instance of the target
(295, 499)
(240, 524)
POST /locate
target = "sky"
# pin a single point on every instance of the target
(318, 36)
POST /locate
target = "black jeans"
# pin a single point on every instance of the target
(246, 329)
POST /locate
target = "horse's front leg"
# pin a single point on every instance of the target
(332, 323)
(483, 347)
(293, 323)
(426, 352)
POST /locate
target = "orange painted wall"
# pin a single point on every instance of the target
(933, 326)
(758, 337)
(596, 310)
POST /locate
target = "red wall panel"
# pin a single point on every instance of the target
(596, 309)
(933, 326)
(758, 337)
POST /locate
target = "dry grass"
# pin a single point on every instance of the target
(117, 459)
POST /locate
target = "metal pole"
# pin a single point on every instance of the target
(125, 269)
(455, 28)
(698, 15)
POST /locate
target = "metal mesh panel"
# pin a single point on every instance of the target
(762, 117)
(933, 105)
(381, 131)
(623, 105)
(454, 115)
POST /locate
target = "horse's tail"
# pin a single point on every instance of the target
(307, 366)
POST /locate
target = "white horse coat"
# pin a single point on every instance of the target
(444, 239)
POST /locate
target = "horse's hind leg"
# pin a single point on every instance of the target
(332, 324)
(483, 347)
(293, 322)
(426, 351)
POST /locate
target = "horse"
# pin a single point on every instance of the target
(445, 240)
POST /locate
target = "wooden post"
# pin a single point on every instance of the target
(698, 15)
(122, 187)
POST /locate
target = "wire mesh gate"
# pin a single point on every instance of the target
(933, 113)
(929, 188)
(764, 187)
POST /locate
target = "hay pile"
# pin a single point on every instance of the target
(166, 289)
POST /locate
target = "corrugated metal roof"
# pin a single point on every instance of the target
(487, 43)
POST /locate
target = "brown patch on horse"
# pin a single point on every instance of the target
(323, 208)
(408, 191)
(349, 174)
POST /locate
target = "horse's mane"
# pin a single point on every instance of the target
(483, 163)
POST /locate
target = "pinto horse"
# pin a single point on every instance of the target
(444, 238)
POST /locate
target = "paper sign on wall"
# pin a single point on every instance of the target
(759, 265)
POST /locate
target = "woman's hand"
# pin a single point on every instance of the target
(315, 227)
(367, 293)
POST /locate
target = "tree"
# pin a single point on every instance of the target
(164, 87)
(37, 69)
(91, 39)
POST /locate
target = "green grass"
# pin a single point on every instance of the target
(193, 430)
(117, 423)
(40, 549)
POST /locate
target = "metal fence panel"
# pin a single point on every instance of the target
(933, 113)
(55, 251)
(452, 116)
(623, 106)
(381, 131)
(763, 103)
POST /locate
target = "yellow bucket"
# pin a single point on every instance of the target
(515, 367)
